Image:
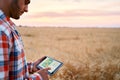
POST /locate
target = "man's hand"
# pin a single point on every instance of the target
(44, 73)
(36, 63)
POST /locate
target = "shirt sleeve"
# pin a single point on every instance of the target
(4, 56)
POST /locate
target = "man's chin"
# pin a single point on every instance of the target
(16, 17)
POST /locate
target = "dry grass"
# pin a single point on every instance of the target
(87, 54)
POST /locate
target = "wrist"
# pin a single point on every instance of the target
(30, 67)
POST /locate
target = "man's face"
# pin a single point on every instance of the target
(18, 7)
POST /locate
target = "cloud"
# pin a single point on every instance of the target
(75, 13)
(70, 0)
(112, 5)
(77, 0)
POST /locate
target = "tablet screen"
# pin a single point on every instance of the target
(49, 62)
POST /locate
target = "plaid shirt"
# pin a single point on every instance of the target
(13, 65)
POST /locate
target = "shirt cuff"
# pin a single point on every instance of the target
(30, 67)
(37, 74)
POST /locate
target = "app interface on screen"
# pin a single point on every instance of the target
(48, 62)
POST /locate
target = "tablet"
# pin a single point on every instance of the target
(50, 62)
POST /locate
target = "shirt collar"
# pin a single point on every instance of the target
(7, 20)
(1, 12)
(2, 16)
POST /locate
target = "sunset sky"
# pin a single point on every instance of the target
(72, 13)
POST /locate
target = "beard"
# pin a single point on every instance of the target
(14, 9)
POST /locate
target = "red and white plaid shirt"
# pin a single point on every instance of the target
(13, 65)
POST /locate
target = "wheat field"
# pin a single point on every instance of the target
(87, 53)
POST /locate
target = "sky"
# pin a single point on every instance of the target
(72, 13)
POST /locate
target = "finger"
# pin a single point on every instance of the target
(39, 60)
(42, 58)
(47, 68)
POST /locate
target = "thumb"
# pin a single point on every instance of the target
(41, 59)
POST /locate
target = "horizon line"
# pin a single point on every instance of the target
(69, 26)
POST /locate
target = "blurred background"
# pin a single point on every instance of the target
(83, 34)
